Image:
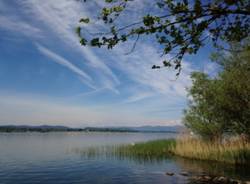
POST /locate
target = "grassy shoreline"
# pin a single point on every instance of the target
(235, 152)
(155, 148)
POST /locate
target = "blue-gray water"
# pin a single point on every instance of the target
(30, 158)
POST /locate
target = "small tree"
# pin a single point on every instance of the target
(222, 105)
(202, 116)
(234, 98)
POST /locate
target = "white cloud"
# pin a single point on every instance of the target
(138, 67)
(23, 109)
(19, 26)
(62, 61)
(141, 95)
(62, 17)
(11, 21)
(34, 110)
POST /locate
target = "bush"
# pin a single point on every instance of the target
(221, 105)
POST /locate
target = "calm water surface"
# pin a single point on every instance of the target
(30, 158)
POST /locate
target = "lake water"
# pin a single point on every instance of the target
(30, 158)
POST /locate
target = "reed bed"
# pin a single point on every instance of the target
(234, 151)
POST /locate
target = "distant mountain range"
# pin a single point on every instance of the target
(50, 128)
(41, 128)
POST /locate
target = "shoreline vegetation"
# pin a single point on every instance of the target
(49, 128)
(234, 152)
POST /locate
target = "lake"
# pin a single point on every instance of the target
(30, 158)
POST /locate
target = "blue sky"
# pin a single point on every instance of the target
(46, 77)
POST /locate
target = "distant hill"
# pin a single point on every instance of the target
(41, 128)
(50, 128)
(109, 129)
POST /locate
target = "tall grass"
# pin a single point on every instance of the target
(156, 148)
(232, 151)
(151, 150)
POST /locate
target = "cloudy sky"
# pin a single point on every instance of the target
(46, 77)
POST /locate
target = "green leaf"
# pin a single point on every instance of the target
(84, 20)
(95, 42)
(167, 63)
(83, 41)
(148, 20)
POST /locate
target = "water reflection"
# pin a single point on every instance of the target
(112, 152)
(190, 167)
(214, 168)
(57, 158)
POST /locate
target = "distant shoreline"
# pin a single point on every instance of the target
(47, 128)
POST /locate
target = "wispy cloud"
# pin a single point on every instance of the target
(33, 110)
(19, 109)
(62, 61)
(118, 80)
(18, 26)
(141, 95)
(62, 17)
(138, 67)
(12, 22)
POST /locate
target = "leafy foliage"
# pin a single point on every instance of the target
(182, 28)
(234, 99)
(203, 117)
(222, 105)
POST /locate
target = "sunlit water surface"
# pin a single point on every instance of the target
(30, 158)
